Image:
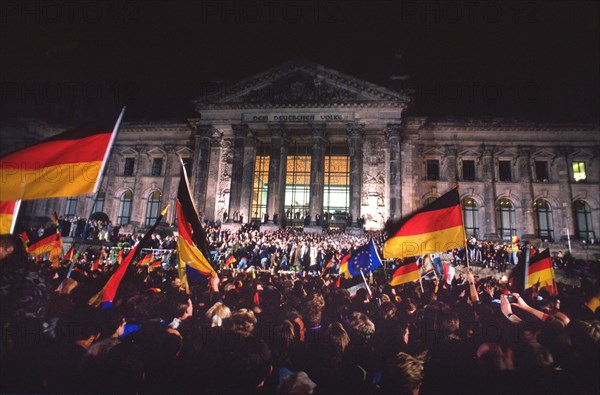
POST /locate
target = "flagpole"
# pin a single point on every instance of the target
(421, 280)
(527, 252)
(113, 137)
(15, 214)
(367, 285)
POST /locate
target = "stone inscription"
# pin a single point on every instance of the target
(287, 117)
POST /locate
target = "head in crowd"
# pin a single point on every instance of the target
(402, 375)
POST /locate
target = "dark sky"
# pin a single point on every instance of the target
(68, 61)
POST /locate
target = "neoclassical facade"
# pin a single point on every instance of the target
(304, 140)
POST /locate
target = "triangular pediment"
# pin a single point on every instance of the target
(582, 153)
(302, 84)
(156, 151)
(506, 152)
(433, 151)
(470, 152)
(128, 151)
(543, 153)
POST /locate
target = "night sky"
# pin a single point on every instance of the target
(70, 61)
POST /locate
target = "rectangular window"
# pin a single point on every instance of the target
(260, 187)
(157, 166)
(579, 174)
(71, 206)
(297, 187)
(129, 164)
(433, 170)
(468, 167)
(504, 171)
(541, 171)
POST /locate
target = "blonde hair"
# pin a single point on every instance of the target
(217, 313)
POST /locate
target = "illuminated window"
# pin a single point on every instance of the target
(336, 195)
(505, 219)
(125, 208)
(297, 186)
(470, 212)
(99, 202)
(468, 168)
(433, 170)
(260, 186)
(153, 211)
(583, 220)
(71, 206)
(543, 219)
(579, 171)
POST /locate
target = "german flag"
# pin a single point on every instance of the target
(230, 260)
(96, 263)
(43, 246)
(68, 164)
(435, 228)
(70, 254)
(406, 273)
(540, 270)
(154, 265)
(146, 260)
(344, 266)
(8, 215)
(192, 245)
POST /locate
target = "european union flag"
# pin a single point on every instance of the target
(364, 259)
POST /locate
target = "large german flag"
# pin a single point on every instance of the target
(8, 215)
(435, 228)
(192, 245)
(540, 270)
(406, 273)
(68, 164)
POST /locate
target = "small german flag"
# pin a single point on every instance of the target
(69, 255)
(43, 246)
(146, 260)
(154, 265)
(406, 273)
(8, 215)
(230, 260)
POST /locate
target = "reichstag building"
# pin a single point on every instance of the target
(305, 145)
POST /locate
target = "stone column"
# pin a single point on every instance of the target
(247, 176)
(452, 173)
(355, 138)
(565, 213)
(317, 175)
(277, 162)
(214, 169)
(489, 194)
(524, 174)
(171, 162)
(237, 169)
(394, 140)
(200, 165)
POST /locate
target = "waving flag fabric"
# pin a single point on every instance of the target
(43, 246)
(365, 259)
(8, 215)
(435, 228)
(68, 164)
(192, 245)
(406, 273)
(540, 271)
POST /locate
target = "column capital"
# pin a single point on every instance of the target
(451, 150)
(215, 137)
(240, 130)
(355, 130)
(277, 130)
(393, 131)
(488, 150)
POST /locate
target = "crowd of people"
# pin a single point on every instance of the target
(287, 332)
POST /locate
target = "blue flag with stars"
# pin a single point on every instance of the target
(365, 258)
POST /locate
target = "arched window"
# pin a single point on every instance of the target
(153, 211)
(543, 220)
(583, 220)
(125, 208)
(505, 219)
(99, 202)
(470, 212)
